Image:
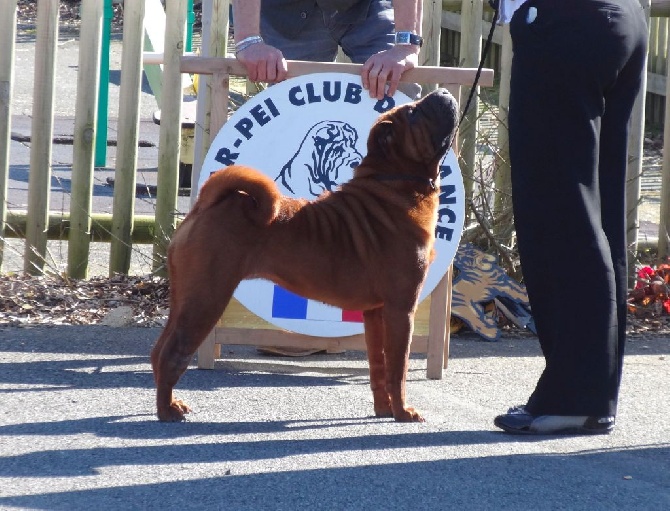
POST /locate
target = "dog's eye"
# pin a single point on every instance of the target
(411, 114)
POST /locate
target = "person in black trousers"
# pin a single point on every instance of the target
(576, 72)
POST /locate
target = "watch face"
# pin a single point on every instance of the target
(408, 38)
(402, 38)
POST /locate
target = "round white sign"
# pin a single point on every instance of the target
(308, 133)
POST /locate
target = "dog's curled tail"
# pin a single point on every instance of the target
(240, 179)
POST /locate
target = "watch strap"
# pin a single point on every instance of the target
(403, 37)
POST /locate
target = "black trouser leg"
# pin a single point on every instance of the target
(575, 74)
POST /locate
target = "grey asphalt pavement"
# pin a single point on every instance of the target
(78, 431)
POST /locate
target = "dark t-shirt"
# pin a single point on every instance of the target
(289, 16)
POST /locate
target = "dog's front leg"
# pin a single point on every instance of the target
(398, 326)
(374, 340)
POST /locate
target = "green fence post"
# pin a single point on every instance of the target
(103, 91)
(190, 20)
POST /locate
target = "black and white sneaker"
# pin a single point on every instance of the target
(518, 421)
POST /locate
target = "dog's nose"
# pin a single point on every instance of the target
(442, 92)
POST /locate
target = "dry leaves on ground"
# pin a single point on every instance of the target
(57, 300)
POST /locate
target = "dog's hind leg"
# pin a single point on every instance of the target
(197, 300)
(168, 368)
(374, 340)
(398, 325)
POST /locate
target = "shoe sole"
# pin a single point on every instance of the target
(563, 431)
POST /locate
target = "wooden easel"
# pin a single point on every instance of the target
(436, 343)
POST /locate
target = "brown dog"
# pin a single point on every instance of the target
(366, 246)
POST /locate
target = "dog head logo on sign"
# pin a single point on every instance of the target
(325, 159)
(308, 134)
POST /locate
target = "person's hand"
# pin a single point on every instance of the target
(264, 63)
(388, 66)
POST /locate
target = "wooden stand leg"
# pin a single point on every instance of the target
(447, 338)
(438, 327)
(207, 351)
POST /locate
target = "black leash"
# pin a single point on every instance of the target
(495, 5)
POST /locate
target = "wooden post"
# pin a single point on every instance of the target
(634, 170)
(661, 40)
(39, 181)
(7, 38)
(438, 327)
(129, 126)
(220, 91)
(431, 30)
(85, 120)
(170, 132)
(470, 54)
(664, 220)
(214, 44)
(503, 170)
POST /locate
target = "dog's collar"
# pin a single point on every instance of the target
(406, 177)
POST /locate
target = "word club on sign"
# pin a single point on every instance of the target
(262, 113)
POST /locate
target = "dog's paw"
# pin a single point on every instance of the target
(382, 403)
(408, 415)
(175, 412)
(383, 411)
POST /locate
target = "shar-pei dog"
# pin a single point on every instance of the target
(366, 246)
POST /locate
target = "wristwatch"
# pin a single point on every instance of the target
(408, 38)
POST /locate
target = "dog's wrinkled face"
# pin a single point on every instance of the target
(419, 132)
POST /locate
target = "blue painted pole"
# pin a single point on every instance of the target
(103, 97)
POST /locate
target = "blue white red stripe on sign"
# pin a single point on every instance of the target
(287, 305)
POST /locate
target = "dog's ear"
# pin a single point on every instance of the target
(382, 136)
(385, 133)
